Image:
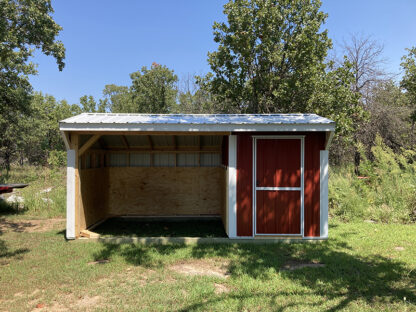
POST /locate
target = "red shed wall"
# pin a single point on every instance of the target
(314, 143)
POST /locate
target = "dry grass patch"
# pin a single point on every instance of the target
(221, 289)
(30, 226)
(292, 265)
(203, 267)
(69, 303)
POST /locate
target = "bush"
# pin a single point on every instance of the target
(386, 192)
(57, 159)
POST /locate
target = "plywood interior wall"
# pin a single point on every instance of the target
(94, 196)
(165, 191)
(150, 175)
(148, 191)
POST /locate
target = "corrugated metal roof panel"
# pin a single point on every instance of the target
(194, 122)
(107, 118)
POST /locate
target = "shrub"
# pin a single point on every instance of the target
(57, 159)
(386, 193)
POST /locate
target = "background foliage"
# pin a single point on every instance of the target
(273, 56)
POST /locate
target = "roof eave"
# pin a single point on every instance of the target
(114, 127)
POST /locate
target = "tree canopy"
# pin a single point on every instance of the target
(153, 90)
(409, 78)
(24, 27)
(270, 55)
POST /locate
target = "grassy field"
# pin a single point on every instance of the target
(45, 197)
(367, 266)
(363, 266)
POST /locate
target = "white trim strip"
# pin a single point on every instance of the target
(323, 197)
(197, 127)
(302, 185)
(280, 137)
(232, 186)
(271, 188)
(279, 235)
(70, 194)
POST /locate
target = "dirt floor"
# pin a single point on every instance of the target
(156, 228)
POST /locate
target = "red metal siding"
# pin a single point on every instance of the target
(276, 168)
(244, 185)
(278, 165)
(314, 142)
(278, 212)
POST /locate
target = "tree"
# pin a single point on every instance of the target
(117, 99)
(389, 110)
(408, 83)
(269, 56)
(89, 105)
(153, 90)
(193, 99)
(24, 26)
(30, 137)
(366, 56)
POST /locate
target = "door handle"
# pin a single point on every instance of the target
(257, 183)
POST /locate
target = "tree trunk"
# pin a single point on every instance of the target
(7, 161)
(357, 156)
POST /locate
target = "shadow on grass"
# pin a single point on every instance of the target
(6, 255)
(11, 208)
(345, 277)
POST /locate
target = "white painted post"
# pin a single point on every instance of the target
(324, 193)
(70, 194)
(232, 186)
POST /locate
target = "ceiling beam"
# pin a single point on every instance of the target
(150, 141)
(175, 145)
(88, 144)
(125, 142)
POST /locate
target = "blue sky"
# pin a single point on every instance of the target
(107, 40)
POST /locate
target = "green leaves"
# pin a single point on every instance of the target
(270, 55)
(409, 78)
(153, 90)
(24, 26)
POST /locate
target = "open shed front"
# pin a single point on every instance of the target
(265, 176)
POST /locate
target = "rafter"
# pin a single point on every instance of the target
(88, 144)
(125, 142)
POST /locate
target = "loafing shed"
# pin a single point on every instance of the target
(264, 175)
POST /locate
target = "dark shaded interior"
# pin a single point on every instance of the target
(159, 227)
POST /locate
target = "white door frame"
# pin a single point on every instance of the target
(301, 188)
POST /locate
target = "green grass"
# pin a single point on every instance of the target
(364, 270)
(37, 204)
(146, 228)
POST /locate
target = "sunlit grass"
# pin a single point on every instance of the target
(367, 267)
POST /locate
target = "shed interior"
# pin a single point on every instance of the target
(150, 175)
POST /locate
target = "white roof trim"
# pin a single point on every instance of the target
(197, 123)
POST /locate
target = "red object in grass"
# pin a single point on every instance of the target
(8, 188)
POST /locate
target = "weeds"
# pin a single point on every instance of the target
(44, 197)
(385, 193)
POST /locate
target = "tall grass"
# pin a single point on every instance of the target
(385, 193)
(45, 196)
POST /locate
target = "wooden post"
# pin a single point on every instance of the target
(75, 147)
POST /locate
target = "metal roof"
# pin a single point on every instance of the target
(197, 122)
